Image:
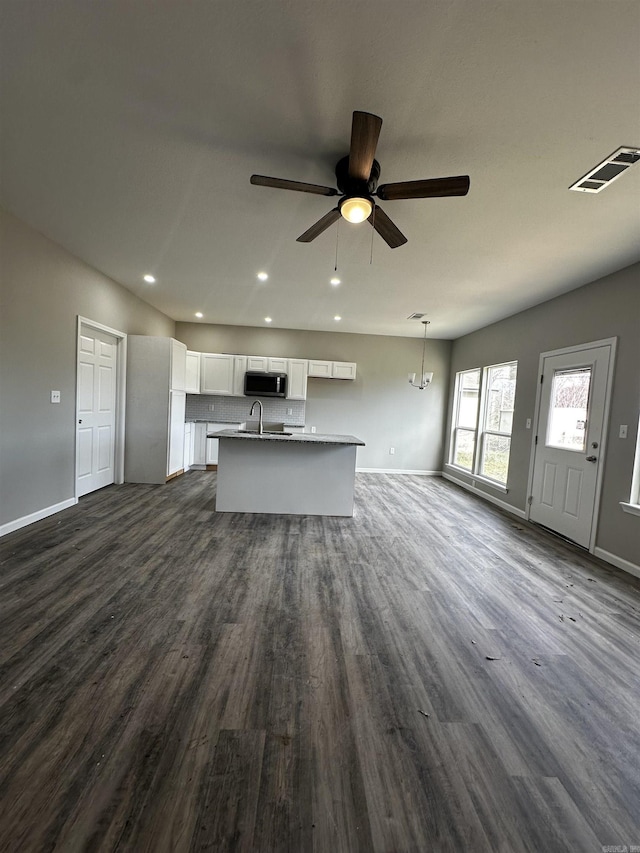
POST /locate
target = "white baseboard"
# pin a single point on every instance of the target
(520, 513)
(10, 526)
(616, 561)
(397, 471)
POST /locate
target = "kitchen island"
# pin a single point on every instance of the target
(299, 474)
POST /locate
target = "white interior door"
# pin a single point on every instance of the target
(569, 438)
(96, 409)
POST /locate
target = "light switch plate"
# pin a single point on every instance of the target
(55, 396)
(623, 431)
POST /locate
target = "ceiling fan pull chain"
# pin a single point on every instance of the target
(373, 223)
(337, 233)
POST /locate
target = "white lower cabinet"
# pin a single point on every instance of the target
(211, 452)
(187, 455)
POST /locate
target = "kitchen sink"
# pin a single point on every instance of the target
(264, 432)
(269, 428)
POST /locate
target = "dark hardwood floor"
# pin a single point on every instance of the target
(431, 675)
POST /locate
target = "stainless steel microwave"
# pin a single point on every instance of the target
(257, 384)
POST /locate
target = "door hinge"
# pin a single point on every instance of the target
(541, 378)
(530, 500)
(536, 440)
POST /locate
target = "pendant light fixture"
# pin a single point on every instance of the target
(425, 378)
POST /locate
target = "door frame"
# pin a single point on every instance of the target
(121, 382)
(605, 342)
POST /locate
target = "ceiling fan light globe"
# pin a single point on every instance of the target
(356, 209)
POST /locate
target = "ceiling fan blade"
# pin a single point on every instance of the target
(365, 130)
(389, 232)
(320, 226)
(432, 188)
(298, 186)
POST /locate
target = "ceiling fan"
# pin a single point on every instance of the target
(357, 177)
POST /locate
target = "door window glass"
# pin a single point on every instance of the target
(569, 409)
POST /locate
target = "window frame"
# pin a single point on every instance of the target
(633, 504)
(481, 431)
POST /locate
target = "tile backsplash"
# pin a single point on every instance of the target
(235, 410)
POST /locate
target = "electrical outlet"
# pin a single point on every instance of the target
(392, 450)
(289, 411)
(313, 429)
(55, 396)
(212, 407)
(623, 431)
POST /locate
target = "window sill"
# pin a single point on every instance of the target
(485, 481)
(634, 509)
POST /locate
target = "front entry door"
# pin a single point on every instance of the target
(96, 408)
(569, 439)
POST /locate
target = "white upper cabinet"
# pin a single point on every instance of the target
(178, 366)
(192, 384)
(320, 369)
(223, 374)
(239, 370)
(296, 379)
(278, 365)
(258, 362)
(343, 370)
(216, 373)
(332, 369)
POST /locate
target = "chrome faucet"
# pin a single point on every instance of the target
(257, 403)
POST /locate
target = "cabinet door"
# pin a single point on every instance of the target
(199, 444)
(343, 370)
(211, 457)
(186, 451)
(239, 370)
(178, 366)
(321, 369)
(278, 365)
(175, 453)
(258, 362)
(192, 383)
(216, 373)
(297, 379)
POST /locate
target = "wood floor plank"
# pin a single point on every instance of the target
(431, 674)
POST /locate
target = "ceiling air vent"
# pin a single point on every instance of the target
(415, 316)
(606, 172)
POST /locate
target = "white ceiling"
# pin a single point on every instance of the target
(130, 130)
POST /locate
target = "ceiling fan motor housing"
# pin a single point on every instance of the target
(352, 186)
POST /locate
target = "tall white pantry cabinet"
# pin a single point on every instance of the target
(156, 400)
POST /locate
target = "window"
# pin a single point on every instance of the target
(482, 420)
(633, 505)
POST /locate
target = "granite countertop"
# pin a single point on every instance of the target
(295, 438)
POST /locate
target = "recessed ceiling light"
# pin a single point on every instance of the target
(199, 315)
(335, 281)
(337, 317)
(263, 276)
(267, 319)
(150, 279)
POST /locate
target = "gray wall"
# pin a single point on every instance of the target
(380, 407)
(606, 308)
(43, 289)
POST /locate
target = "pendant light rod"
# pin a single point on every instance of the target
(425, 378)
